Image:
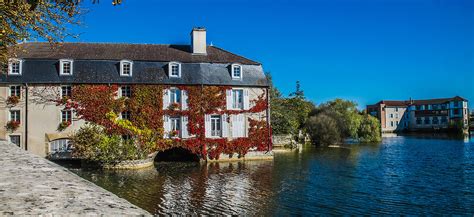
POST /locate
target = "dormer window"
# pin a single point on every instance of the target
(126, 68)
(174, 70)
(236, 71)
(14, 67)
(65, 67)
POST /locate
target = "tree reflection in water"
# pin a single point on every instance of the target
(193, 188)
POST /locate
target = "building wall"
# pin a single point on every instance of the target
(394, 119)
(45, 116)
(449, 114)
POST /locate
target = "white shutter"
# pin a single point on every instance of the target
(184, 100)
(207, 125)
(166, 98)
(234, 126)
(225, 126)
(229, 99)
(166, 126)
(238, 126)
(246, 99)
(184, 127)
(244, 126)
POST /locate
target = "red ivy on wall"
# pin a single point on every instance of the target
(93, 102)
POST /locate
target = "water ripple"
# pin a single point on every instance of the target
(403, 175)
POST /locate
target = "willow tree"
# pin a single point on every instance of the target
(37, 19)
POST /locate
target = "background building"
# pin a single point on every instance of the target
(416, 115)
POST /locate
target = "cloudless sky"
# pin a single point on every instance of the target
(362, 50)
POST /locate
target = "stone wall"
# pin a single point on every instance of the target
(283, 140)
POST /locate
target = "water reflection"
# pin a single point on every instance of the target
(193, 188)
(403, 175)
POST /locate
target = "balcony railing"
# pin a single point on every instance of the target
(431, 113)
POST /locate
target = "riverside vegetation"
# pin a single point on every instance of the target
(329, 123)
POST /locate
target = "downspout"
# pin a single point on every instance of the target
(26, 117)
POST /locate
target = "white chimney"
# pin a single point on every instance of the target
(198, 41)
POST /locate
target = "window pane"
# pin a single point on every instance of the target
(15, 91)
(15, 139)
(175, 96)
(66, 116)
(175, 70)
(15, 67)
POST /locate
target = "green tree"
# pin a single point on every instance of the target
(323, 130)
(350, 123)
(369, 130)
(34, 19)
(299, 93)
(280, 121)
(345, 113)
(288, 115)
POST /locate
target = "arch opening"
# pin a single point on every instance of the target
(176, 155)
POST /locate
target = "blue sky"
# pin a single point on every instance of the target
(362, 50)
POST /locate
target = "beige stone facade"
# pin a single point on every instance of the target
(41, 116)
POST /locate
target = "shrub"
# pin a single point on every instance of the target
(323, 130)
(92, 143)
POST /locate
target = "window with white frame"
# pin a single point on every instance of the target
(65, 67)
(15, 90)
(125, 115)
(126, 68)
(15, 139)
(60, 145)
(236, 71)
(15, 115)
(125, 91)
(216, 125)
(237, 99)
(175, 95)
(174, 70)
(14, 66)
(66, 91)
(66, 116)
(175, 126)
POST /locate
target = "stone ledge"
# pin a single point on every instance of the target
(252, 155)
(131, 164)
(31, 185)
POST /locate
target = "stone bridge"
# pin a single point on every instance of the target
(31, 185)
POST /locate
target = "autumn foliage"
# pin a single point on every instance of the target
(95, 103)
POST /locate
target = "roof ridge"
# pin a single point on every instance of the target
(105, 43)
(133, 51)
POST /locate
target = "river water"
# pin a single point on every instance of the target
(402, 175)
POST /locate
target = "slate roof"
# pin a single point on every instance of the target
(420, 102)
(101, 66)
(141, 52)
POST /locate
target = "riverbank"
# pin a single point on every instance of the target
(31, 185)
